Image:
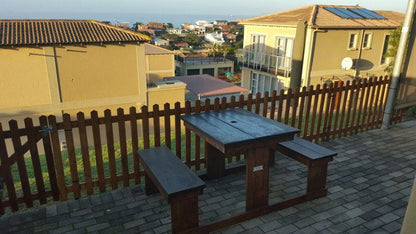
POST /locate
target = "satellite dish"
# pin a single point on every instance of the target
(346, 63)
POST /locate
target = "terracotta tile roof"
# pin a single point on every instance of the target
(155, 50)
(206, 85)
(318, 17)
(47, 32)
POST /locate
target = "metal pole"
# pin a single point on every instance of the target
(391, 98)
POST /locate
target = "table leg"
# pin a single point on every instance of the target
(215, 162)
(184, 211)
(257, 173)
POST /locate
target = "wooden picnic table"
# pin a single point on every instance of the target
(241, 131)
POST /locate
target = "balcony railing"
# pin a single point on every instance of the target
(277, 65)
(202, 60)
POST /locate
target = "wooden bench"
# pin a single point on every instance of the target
(315, 157)
(166, 173)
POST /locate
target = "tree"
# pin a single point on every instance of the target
(192, 39)
(170, 37)
(393, 45)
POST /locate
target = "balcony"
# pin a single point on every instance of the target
(266, 62)
(202, 60)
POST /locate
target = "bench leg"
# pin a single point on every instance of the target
(149, 186)
(215, 163)
(184, 211)
(272, 158)
(317, 173)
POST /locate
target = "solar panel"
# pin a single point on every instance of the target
(366, 13)
(337, 12)
(349, 13)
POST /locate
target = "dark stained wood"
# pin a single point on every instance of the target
(198, 139)
(7, 173)
(232, 102)
(371, 105)
(50, 162)
(188, 137)
(176, 183)
(330, 101)
(265, 103)
(223, 103)
(308, 108)
(306, 149)
(58, 159)
(302, 96)
(34, 153)
(360, 107)
(257, 103)
(366, 109)
(287, 105)
(241, 101)
(134, 144)
(317, 93)
(344, 108)
(257, 176)
(166, 115)
(376, 104)
(384, 93)
(156, 125)
(349, 107)
(123, 147)
(178, 129)
(73, 165)
(170, 175)
(216, 104)
(145, 127)
(273, 104)
(231, 129)
(323, 93)
(98, 150)
(110, 148)
(24, 179)
(85, 152)
(337, 107)
(215, 162)
(184, 212)
(280, 105)
(249, 102)
(294, 107)
(354, 106)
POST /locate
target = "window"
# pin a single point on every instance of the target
(385, 47)
(209, 71)
(352, 44)
(262, 83)
(192, 72)
(367, 41)
(284, 49)
(257, 47)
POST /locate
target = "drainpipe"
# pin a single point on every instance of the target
(391, 98)
(360, 50)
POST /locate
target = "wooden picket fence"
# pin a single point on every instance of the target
(100, 162)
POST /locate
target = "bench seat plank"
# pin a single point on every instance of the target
(308, 149)
(168, 172)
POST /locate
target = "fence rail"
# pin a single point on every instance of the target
(101, 152)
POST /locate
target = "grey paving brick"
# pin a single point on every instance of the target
(98, 227)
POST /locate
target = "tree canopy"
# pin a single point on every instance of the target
(192, 39)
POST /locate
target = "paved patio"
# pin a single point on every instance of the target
(369, 185)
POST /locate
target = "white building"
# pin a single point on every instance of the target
(215, 38)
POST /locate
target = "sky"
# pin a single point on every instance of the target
(100, 9)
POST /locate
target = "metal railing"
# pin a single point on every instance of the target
(202, 60)
(274, 64)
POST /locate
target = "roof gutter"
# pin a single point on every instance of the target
(404, 37)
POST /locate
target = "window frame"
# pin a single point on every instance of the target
(367, 46)
(354, 46)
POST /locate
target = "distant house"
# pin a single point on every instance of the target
(155, 25)
(201, 87)
(182, 45)
(215, 38)
(160, 42)
(177, 31)
(220, 22)
(229, 37)
(306, 46)
(213, 66)
(66, 66)
(160, 63)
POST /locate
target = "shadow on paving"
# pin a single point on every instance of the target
(369, 184)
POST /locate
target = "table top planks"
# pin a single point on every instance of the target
(236, 128)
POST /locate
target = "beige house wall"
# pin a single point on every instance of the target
(24, 78)
(167, 93)
(71, 78)
(271, 32)
(159, 66)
